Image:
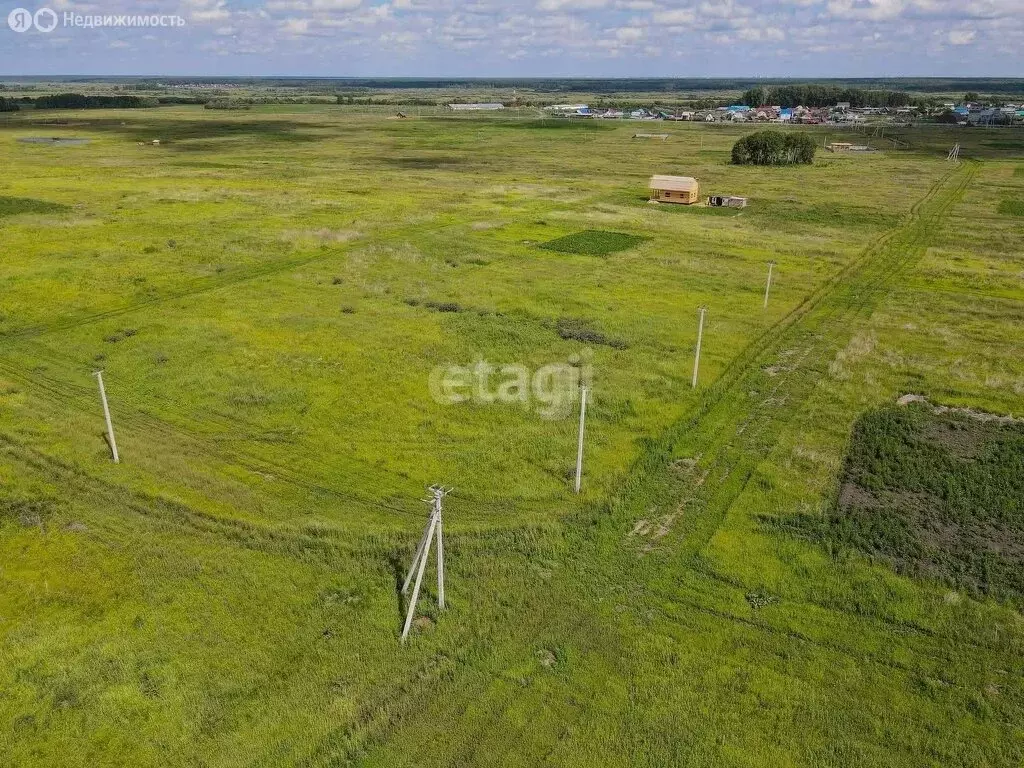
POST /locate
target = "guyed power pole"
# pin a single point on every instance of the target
(768, 287)
(419, 563)
(106, 416)
(579, 446)
(700, 339)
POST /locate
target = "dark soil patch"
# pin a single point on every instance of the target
(938, 495)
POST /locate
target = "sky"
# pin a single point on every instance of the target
(523, 38)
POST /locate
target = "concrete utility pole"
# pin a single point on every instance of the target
(419, 563)
(700, 339)
(579, 448)
(106, 415)
(440, 557)
(768, 288)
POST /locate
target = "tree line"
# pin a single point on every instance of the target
(815, 95)
(80, 101)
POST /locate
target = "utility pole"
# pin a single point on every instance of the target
(771, 266)
(700, 338)
(106, 415)
(419, 563)
(579, 448)
(440, 557)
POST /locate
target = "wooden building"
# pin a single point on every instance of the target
(675, 189)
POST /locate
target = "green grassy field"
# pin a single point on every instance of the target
(268, 293)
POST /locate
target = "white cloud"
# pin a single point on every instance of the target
(873, 10)
(571, 5)
(295, 26)
(677, 16)
(335, 5)
(629, 34)
(202, 11)
(962, 36)
(758, 34)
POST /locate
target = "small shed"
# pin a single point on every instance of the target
(727, 201)
(840, 146)
(675, 189)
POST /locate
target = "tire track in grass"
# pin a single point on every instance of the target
(199, 441)
(831, 321)
(724, 489)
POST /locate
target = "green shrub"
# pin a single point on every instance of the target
(774, 148)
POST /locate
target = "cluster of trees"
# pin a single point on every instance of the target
(8, 105)
(226, 104)
(388, 101)
(774, 148)
(812, 95)
(80, 101)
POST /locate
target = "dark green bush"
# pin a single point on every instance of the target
(774, 148)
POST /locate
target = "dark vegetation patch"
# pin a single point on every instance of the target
(1018, 171)
(443, 306)
(53, 141)
(776, 212)
(936, 495)
(556, 124)
(424, 162)
(208, 165)
(121, 335)
(12, 206)
(577, 329)
(593, 242)
(437, 306)
(1012, 207)
(30, 512)
(189, 130)
(1004, 144)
